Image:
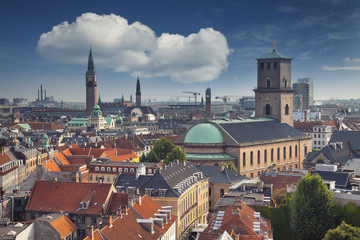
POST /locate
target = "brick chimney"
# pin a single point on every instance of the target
(107, 221)
(237, 206)
(350, 155)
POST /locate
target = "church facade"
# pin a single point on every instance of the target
(254, 145)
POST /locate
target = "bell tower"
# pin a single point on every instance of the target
(274, 95)
(91, 85)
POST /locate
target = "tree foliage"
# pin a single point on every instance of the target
(232, 167)
(351, 214)
(313, 209)
(162, 147)
(176, 153)
(150, 157)
(343, 232)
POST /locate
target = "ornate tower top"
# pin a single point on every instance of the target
(138, 86)
(91, 66)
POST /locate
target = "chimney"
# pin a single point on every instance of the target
(106, 221)
(237, 237)
(126, 136)
(130, 202)
(350, 155)
(237, 206)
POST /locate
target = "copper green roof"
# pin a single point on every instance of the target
(273, 55)
(96, 113)
(78, 122)
(25, 126)
(204, 133)
(209, 156)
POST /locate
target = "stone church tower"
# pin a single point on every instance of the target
(208, 103)
(138, 93)
(91, 86)
(274, 95)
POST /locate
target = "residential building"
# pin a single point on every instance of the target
(179, 185)
(83, 202)
(142, 220)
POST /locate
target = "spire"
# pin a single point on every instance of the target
(91, 66)
(274, 50)
(99, 100)
(138, 87)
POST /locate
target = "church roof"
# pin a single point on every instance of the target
(273, 55)
(204, 133)
(209, 156)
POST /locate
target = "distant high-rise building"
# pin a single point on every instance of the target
(138, 93)
(303, 93)
(91, 86)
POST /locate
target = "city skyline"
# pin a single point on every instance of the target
(174, 46)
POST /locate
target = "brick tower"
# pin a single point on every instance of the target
(91, 85)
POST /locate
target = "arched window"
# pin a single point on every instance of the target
(287, 109)
(268, 83)
(258, 157)
(267, 109)
(265, 156)
(295, 150)
(272, 155)
(251, 158)
(244, 159)
(278, 154)
(284, 152)
(290, 152)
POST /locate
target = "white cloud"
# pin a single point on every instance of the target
(351, 60)
(344, 68)
(135, 48)
(305, 55)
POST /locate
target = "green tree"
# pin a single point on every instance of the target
(313, 209)
(343, 232)
(162, 147)
(176, 153)
(232, 167)
(352, 214)
(150, 157)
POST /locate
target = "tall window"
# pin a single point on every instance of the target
(268, 83)
(295, 150)
(244, 159)
(251, 158)
(305, 149)
(284, 152)
(268, 65)
(287, 109)
(262, 65)
(265, 156)
(272, 155)
(278, 154)
(258, 157)
(290, 152)
(267, 109)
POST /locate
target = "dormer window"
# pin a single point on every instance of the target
(96, 168)
(103, 169)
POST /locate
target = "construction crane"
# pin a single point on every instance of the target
(195, 95)
(225, 100)
(176, 97)
(150, 100)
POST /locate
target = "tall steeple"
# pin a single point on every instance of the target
(91, 85)
(138, 93)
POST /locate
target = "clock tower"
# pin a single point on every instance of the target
(91, 86)
(274, 95)
(208, 103)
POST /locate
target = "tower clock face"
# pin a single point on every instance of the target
(207, 96)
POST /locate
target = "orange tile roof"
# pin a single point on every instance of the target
(4, 158)
(64, 226)
(123, 144)
(117, 201)
(96, 152)
(51, 166)
(67, 152)
(72, 193)
(79, 160)
(62, 158)
(97, 236)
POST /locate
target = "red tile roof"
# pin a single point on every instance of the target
(123, 144)
(117, 201)
(4, 158)
(280, 181)
(62, 158)
(308, 126)
(67, 196)
(51, 166)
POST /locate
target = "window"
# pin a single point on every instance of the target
(258, 157)
(120, 170)
(114, 169)
(244, 159)
(278, 154)
(296, 151)
(258, 173)
(126, 170)
(103, 169)
(209, 191)
(132, 170)
(222, 192)
(284, 153)
(32, 216)
(267, 109)
(93, 220)
(305, 149)
(108, 179)
(272, 155)
(251, 175)
(268, 83)
(275, 65)
(91, 177)
(251, 158)
(290, 152)
(108, 169)
(296, 166)
(149, 171)
(262, 65)
(287, 109)
(265, 156)
(268, 65)
(96, 168)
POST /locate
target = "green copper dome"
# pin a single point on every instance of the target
(96, 112)
(204, 133)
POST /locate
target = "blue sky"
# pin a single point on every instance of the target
(175, 46)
